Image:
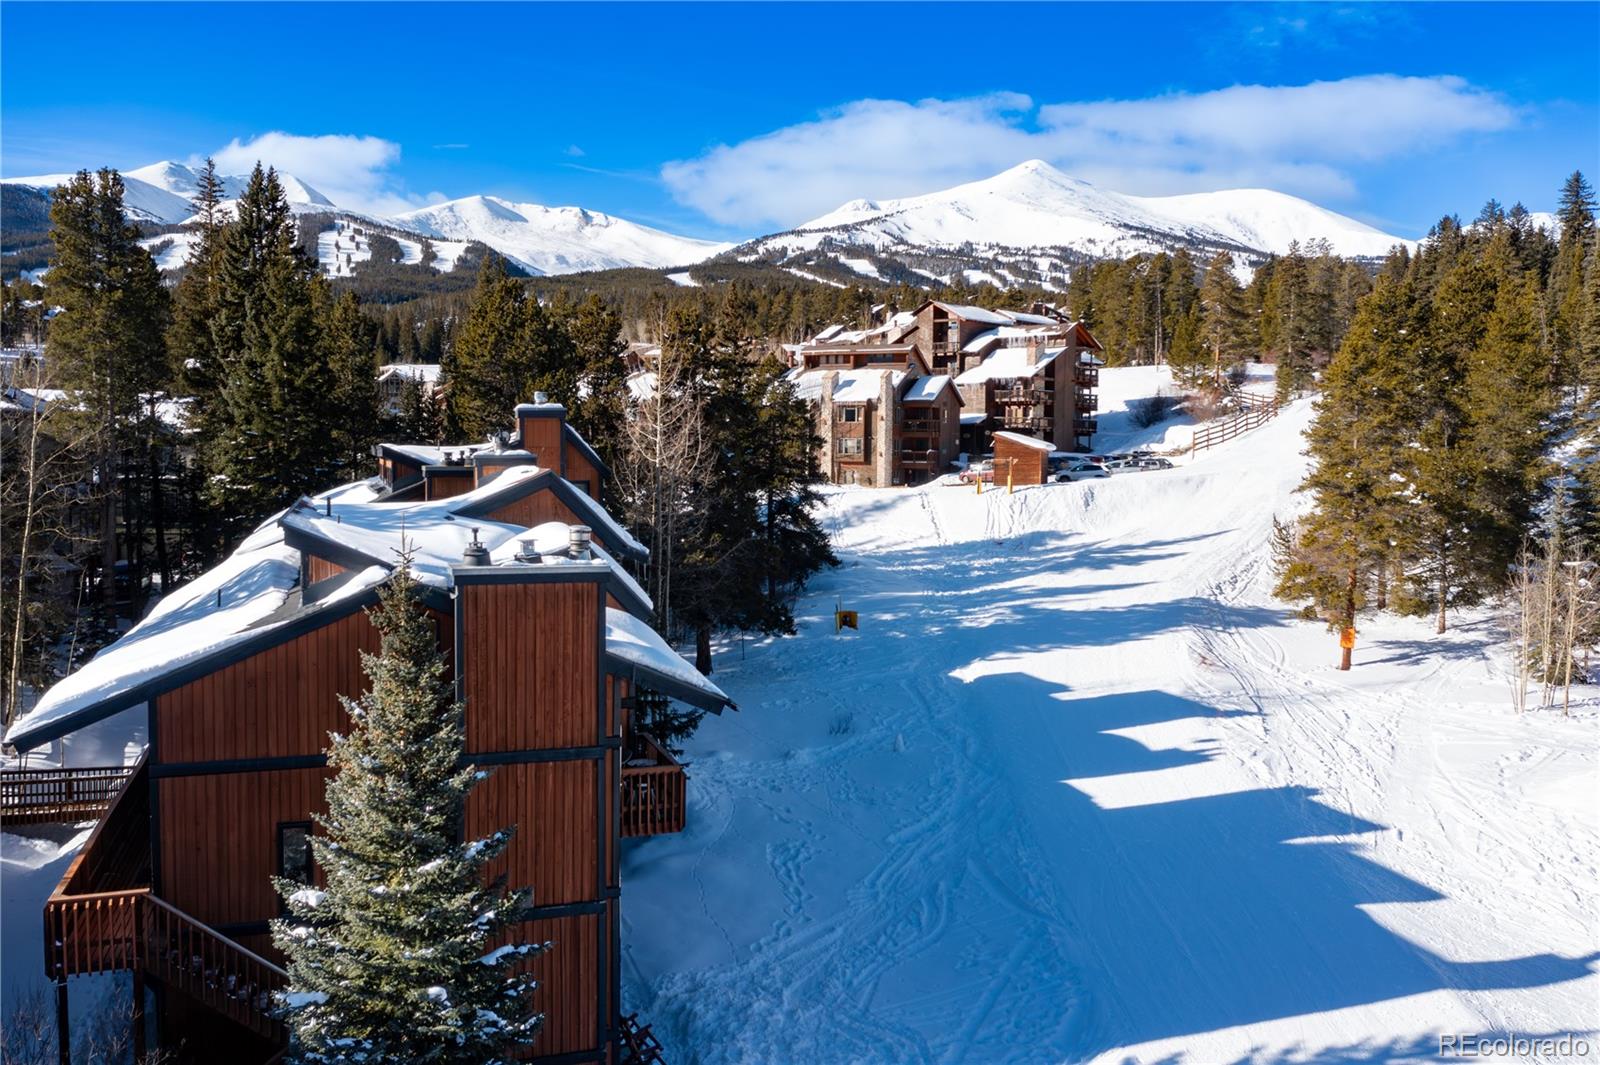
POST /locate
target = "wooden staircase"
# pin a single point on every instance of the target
(639, 1044)
(104, 917)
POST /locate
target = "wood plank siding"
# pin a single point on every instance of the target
(530, 678)
(219, 868)
(281, 702)
(320, 569)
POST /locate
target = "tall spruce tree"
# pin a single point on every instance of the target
(492, 365)
(350, 345)
(1223, 320)
(270, 437)
(107, 345)
(395, 960)
(1340, 553)
(600, 403)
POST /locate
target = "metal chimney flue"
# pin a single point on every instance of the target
(475, 554)
(529, 553)
(578, 542)
(541, 398)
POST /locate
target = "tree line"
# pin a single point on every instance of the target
(1455, 424)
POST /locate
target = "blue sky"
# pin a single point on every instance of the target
(726, 120)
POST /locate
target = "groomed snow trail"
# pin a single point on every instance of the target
(1079, 789)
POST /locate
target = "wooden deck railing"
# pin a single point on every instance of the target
(653, 795)
(59, 796)
(114, 931)
(211, 968)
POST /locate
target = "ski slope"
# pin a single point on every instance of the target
(1080, 790)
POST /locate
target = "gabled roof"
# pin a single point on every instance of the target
(255, 598)
(1007, 364)
(1026, 441)
(928, 389)
(521, 481)
(426, 372)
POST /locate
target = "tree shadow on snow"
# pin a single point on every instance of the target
(1213, 911)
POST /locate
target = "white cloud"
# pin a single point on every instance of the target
(1304, 139)
(352, 171)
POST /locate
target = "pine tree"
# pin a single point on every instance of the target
(393, 960)
(1341, 551)
(1577, 207)
(601, 402)
(1223, 321)
(107, 344)
(269, 440)
(350, 344)
(492, 366)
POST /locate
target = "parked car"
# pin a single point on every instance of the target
(1155, 462)
(1120, 465)
(979, 470)
(1082, 471)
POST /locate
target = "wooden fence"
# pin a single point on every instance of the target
(59, 796)
(1258, 411)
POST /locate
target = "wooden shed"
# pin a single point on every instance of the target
(1026, 459)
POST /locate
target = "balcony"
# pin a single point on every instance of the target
(653, 792)
(1084, 426)
(921, 460)
(59, 796)
(104, 917)
(1087, 403)
(1022, 397)
(1087, 376)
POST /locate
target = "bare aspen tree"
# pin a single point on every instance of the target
(664, 453)
(40, 482)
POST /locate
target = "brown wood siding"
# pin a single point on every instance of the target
(581, 472)
(529, 673)
(320, 569)
(1029, 465)
(536, 509)
(568, 975)
(541, 434)
(219, 839)
(443, 486)
(278, 703)
(552, 805)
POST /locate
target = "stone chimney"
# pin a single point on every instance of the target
(1033, 351)
(825, 423)
(885, 447)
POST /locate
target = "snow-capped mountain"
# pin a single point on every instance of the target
(164, 192)
(1030, 221)
(542, 240)
(555, 240)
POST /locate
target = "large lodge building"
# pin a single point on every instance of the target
(895, 404)
(527, 578)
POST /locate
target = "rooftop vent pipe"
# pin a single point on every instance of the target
(475, 554)
(529, 553)
(578, 542)
(541, 398)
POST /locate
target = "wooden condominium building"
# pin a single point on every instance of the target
(1031, 372)
(883, 417)
(527, 579)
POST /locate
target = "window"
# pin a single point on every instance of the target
(849, 414)
(294, 851)
(850, 445)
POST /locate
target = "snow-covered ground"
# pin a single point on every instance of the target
(1080, 790)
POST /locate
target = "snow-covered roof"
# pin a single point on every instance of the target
(1007, 364)
(429, 455)
(982, 340)
(974, 314)
(257, 590)
(976, 417)
(239, 598)
(1026, 441)
(632, 641)
(927, 389)
(642, 385)
(426, 372)
(852, 386)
